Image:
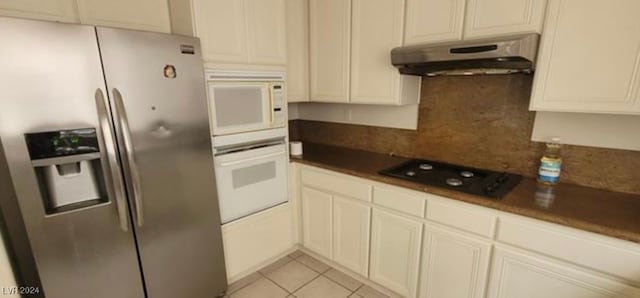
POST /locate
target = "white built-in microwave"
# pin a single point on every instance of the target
(245, 101)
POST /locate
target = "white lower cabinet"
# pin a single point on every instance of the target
(395, 252)
(526, 275)
(376, 230)
(453, 264)
(351, 227)
(254, 241)
(316, 221)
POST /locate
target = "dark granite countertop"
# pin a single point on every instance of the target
(609, 213)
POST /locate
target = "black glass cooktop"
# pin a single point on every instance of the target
(469, 180)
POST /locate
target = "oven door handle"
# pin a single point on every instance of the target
(235, 162)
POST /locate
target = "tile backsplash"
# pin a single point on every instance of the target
(480, 121)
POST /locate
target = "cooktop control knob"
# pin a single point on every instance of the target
(491, 187)
(503, 178)
(454, 182)
(425, 167)
(466, 174)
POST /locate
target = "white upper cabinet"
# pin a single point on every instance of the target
(244, 34)
(297, 50)
(266, 34)
(487, 18)
(589, 59)
(330, 39)
(350, 46)
(221, 26)
(149, 15)
(50, 10)
(434, 21)
(376, 29)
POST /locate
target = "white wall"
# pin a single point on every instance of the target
(594, 130)
(404, 117)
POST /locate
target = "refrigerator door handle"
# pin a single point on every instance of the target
(131, 172)
(116, 186)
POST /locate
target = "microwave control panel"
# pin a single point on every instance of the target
(277, 91)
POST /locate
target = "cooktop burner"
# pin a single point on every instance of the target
(469, 180)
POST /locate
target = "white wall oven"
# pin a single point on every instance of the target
(245, 101)
(251, 180)
(248, 123)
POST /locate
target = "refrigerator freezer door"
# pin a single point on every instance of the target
(157, 93)
(49, 82)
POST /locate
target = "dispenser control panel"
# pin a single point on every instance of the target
(62, 143)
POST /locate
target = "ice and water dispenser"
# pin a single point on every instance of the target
(68, 168)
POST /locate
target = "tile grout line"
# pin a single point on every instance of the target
(336, 282)
(248, 284)
(323, 274)
(263, 275)
(273, 281)
(354, 292)
(305, 284)
(292, 293)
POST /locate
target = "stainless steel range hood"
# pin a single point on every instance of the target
(514, 54)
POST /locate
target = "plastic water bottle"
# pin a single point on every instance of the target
(550, 163)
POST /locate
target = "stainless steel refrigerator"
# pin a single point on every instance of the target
(108, 183)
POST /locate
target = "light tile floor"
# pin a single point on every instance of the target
(300, 275)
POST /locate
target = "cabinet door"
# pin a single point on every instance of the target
(266, 31)
(351, 227)
(330, 38)
(316, 221)
(376, 29)
(431, 21)
(502, 17)
(297, 50)
(149, 15)
(589, 58)
(453, 265)
(395, 252)
(221, 26)
(525, 275)
(50, 10)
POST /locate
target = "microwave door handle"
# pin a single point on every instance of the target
(115, 185)
(131, 172)
(235, 162)
(272, 107)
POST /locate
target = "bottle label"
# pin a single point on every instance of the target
(549, 171)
